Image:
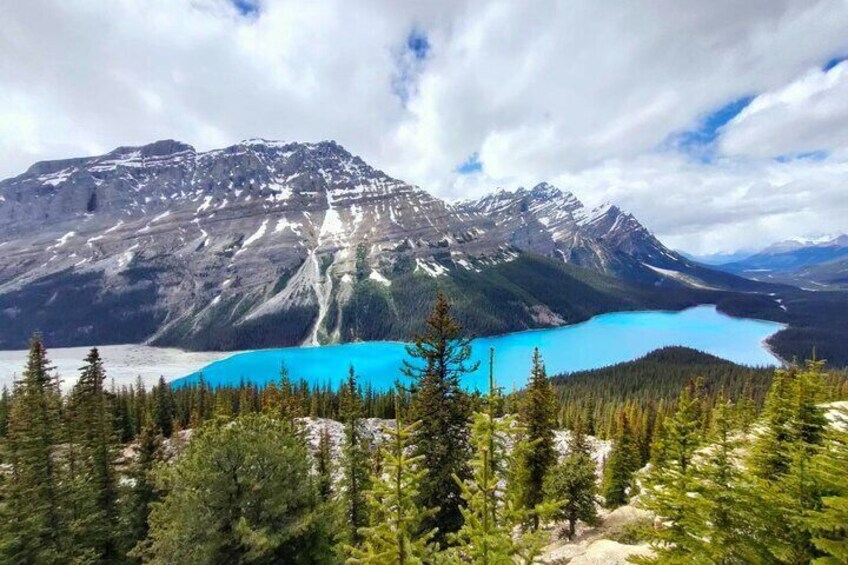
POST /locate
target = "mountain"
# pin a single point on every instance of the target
(811, 263)
(720, 258)
(270, 243)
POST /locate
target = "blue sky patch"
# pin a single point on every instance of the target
(803, 156)
(410, 63)
(700, 142)
(471, 165)
(247, 7)
(418, 44)
(832, 63)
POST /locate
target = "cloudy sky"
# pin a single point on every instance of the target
(720, 124)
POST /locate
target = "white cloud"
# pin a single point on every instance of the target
(725, 205)
(575, 92)
(809, 114)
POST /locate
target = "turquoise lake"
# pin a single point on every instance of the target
(601, 341)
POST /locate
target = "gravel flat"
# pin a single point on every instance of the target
(124, 363)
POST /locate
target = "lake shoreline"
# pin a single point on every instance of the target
(124, 362)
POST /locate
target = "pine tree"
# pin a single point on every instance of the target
(140, 407)
(396, 536)
(669, 487)
(796, 492)
(355, 471)
(723, 511)
(808, 421)
(5, 402)
(95, 448)
(163, 408)
(240, 492)
(589, 416)
(704, 499)
(537, 416)
(622, 462)
(771, 454)
(143, 492)
(486, 536)
(829, 524)
(32, 526)
(573, 483)
(443, 408)
(324, 466)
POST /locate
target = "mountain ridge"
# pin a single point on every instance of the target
(817, 263)
(268, 243)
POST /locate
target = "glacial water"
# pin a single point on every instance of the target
(601, 341)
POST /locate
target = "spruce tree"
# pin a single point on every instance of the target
(439, 358)
(324, 465)
(5, 404)
(95, 448)
(32, 525)
(669, 487)
(486, 536)
(396, 535)
(723, 513)
(537, 416)
(573, 484)
(163, 408)
(795, 492)
(355, 464)
(143, 493)
(829, 523)
(707, 505)
(140, 407)
(771, 453)
(621, 463)
(240, 492)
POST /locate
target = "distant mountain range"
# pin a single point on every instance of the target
(268, 243)
(811, 263)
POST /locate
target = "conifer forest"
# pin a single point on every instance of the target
(718, 463)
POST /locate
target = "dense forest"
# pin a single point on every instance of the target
(740, 464)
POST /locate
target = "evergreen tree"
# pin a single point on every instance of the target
(808, 420)
(486, 536)
(5, 403)
(537, 416)
(771, 454)
(669, 488)
(140, 408)
(443, 408)
(163, 408)
(829, 523)
(94, 447)
(622, 462)
(32, 526)
(143, 492)
(706, 503)
(589, 416)
(355, 471)
(239, 492)
(793, 494)
(395, 536)
(572, 482)
(724, 512)
(324, 465)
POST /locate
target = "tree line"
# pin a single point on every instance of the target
(226, 475)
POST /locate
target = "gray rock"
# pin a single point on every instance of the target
(261, 243)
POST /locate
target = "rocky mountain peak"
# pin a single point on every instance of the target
(264, 231)
(544, 191)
